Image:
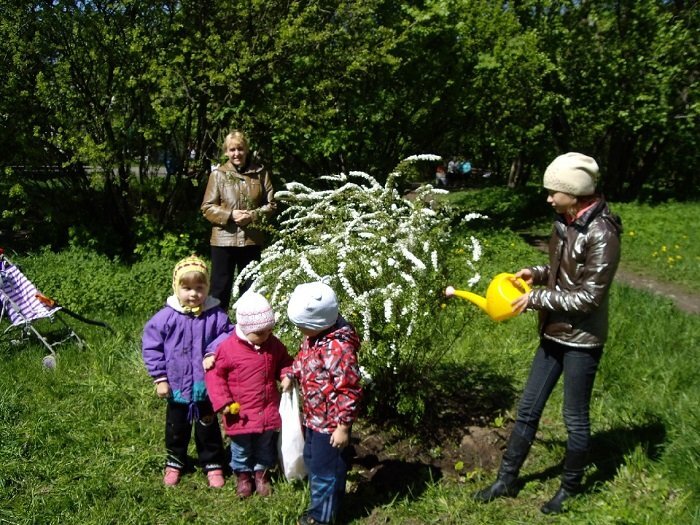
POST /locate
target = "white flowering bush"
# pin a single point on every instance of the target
(382, 254)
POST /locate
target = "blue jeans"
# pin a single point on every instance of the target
(250, 452)
(579, 366)
(327, 467)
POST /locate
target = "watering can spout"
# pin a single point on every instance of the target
(469, 296)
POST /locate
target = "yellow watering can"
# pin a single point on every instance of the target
(502, 291)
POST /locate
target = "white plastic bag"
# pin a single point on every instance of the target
(291, 439)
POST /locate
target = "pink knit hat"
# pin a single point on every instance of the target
(253, 313)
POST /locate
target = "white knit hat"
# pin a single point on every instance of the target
(313, 306)
(254, 313)
(572, 173)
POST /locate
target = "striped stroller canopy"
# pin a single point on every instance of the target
(18, 296)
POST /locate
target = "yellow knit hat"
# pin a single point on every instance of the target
(187, 265)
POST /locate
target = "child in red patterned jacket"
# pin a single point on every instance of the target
(327, 370)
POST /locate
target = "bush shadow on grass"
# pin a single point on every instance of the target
(393, 462)
(608, 451)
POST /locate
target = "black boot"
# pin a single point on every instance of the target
(506, 481)
(574, 468)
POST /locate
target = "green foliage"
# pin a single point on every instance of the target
(84, 281)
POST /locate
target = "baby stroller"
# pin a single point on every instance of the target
(23, 305)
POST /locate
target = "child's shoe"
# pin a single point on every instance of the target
(244, 484)
(172, 476)
(216, 478)
(262, 482)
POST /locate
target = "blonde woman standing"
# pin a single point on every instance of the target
(238, 198)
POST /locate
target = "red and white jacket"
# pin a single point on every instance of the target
(327, 370)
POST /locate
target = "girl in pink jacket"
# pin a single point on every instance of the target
(242, 386)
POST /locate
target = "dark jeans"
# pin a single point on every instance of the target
(225, 262)
(207, 435)
(579, 366)
(327, 467)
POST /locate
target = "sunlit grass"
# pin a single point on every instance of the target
(83, 444)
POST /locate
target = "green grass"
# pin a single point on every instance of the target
(662, 241)
(83, 444)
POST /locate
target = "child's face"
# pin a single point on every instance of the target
(258, 338)
(236, 153)
(308, 332)
(192, 295)
(560, 201)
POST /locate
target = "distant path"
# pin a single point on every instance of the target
(685, 301)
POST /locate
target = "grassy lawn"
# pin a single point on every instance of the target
(83, 444)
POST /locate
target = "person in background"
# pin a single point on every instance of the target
(327, 370)
(440, 176)
(246, 369)
(238, 198)
(572, 301)
(176, 347)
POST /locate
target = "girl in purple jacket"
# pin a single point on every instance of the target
(243, 387)
(178, 343)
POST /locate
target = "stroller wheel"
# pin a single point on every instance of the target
(49, 361)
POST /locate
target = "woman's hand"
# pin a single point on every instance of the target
(163, 389)
(242, 217)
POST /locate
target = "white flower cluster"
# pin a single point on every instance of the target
(379, 250)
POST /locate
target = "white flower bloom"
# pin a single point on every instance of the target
(391, 262)
(408, 278)
(366, 376)
(476, 249)
(306, 266)
(471, 216)
(471, 282)
(424, 157)
(434, 260)
(388, 304)
(415, 260)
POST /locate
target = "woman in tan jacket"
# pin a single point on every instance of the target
(238, 198)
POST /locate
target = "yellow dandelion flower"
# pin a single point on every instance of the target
(679, 257)
(663, 247)
(655, 254)
(443, 305)
(631, 233)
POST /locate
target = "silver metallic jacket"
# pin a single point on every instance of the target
(583, 259)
